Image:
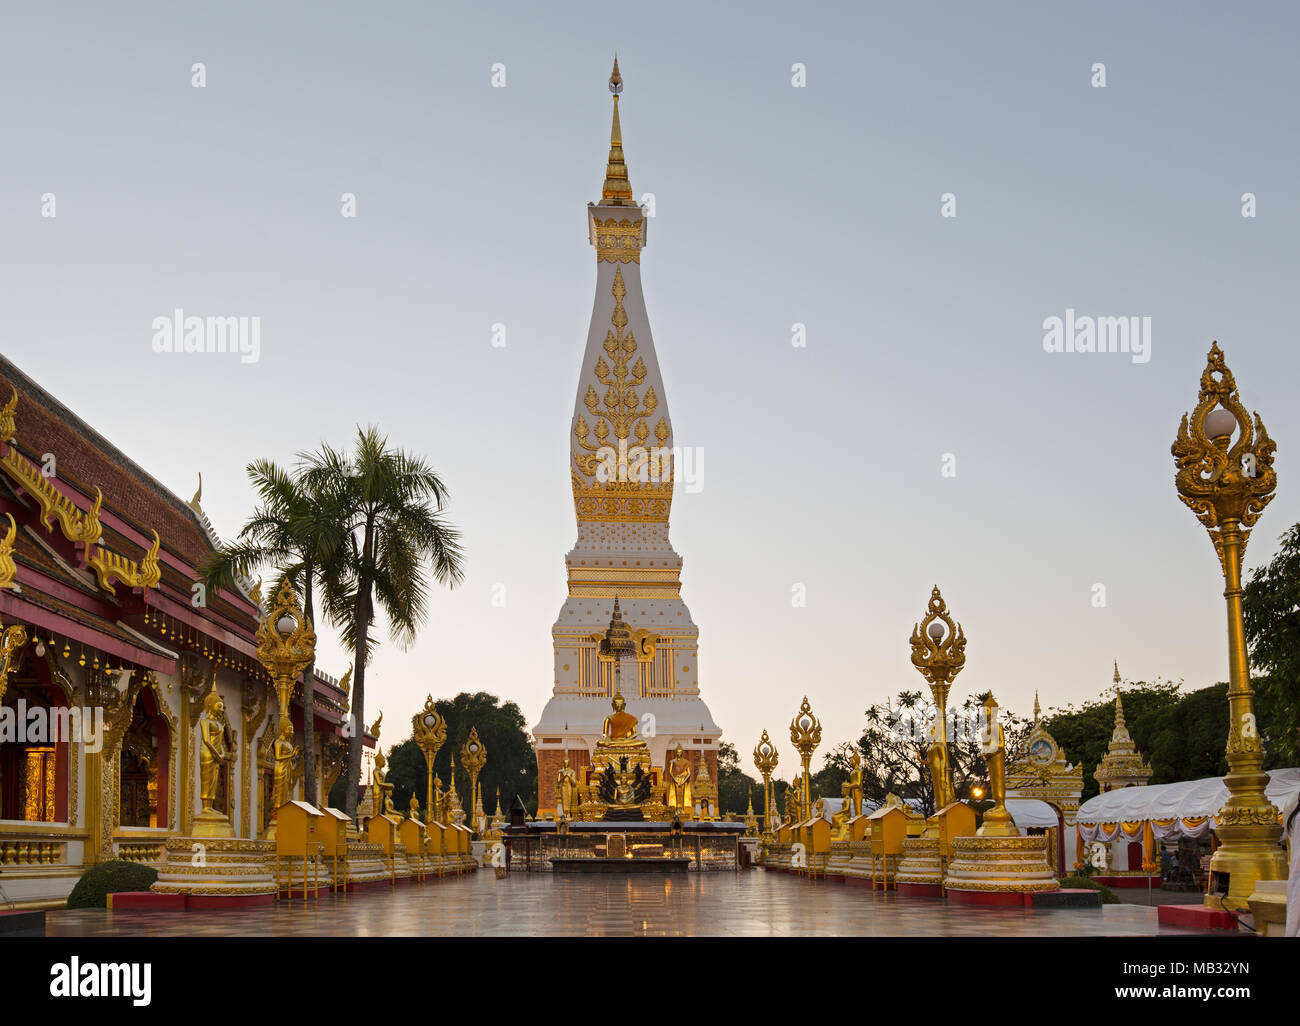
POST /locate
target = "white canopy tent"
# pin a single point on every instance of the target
(1031, 813)
(1183, 809)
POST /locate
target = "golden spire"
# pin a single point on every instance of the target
(617, 191)
(1037, 709)
(1116, 671)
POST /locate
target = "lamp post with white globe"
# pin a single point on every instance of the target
(1227, 483)
(286, 643)
(805, 735)
(430, 732)
(939, 653)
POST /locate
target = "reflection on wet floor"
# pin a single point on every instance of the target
(721, 904)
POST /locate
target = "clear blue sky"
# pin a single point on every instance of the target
(775, 205)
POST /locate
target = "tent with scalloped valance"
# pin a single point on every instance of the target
(1183, 809)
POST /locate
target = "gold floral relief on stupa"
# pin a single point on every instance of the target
(622, 473)
(617, 240)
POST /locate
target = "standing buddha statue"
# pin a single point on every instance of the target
(286, 753)
(566, 791)
(678, 795)
(213, 752)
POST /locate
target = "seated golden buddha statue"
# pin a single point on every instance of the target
(620, 739)
(620, 726)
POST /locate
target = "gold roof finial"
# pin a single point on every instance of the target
(1037, 709)
(617, 191)
(1116, 671)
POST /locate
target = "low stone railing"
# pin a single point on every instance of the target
(17, 851)
(146, 852)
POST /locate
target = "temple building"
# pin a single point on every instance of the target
(621, 466)
(111, 649)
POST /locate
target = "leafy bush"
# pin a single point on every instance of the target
(107, 878)
(1108, 897)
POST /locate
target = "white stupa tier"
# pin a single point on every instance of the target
(621, 469)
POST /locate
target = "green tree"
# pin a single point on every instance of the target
(897, 736)
(297, 530)
(1085, 733)
(394, 538)
(1187, 740)
(828, 782)
(1272, 614)
(511, 765)
(734, 784)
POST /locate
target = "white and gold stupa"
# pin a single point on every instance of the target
(621, 467)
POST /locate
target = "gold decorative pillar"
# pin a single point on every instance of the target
(430, 732)
(805, 735)
(1227, 485)
(939, 653)
(116, 696)
(765, 760)
(473, 756)
(286, 644)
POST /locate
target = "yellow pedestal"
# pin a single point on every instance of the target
(1000, 864)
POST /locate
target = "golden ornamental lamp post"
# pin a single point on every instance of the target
(1227, 484)
(939, 653)
(805, 735)
(765, 760)
(286, 643)
(473, 754)
(430, 732)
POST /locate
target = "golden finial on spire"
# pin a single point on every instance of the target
(1037, 709)
(617, 191)
(1116, 671)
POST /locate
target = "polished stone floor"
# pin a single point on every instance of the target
(721, 904)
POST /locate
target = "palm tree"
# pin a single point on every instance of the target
(394, 537)
(295, 530)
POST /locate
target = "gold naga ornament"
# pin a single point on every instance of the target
(13, 637)
(1227, 484)
(82, 528)
(805, 735)
(939, 654)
